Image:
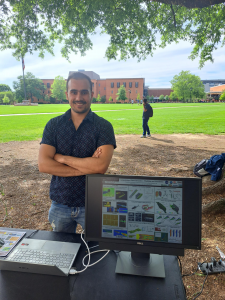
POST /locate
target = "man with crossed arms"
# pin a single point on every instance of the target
(74, 144)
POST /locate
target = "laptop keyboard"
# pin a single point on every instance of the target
(42, 258)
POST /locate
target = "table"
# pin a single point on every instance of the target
(99, 282)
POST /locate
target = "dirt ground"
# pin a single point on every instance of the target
(24, 199)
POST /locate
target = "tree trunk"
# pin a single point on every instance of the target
(217, 206)
(217, 188)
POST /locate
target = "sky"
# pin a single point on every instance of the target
(158, 70)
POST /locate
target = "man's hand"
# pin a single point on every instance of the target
(47, 163)
(97, 153)
(61, 158)
(97, 164)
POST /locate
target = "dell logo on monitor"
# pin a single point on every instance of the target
(139, 243)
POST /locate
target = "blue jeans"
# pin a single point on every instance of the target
(145, 126)
(64, 218)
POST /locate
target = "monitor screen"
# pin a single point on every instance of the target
(140, 214)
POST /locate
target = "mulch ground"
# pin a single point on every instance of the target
(24, 201)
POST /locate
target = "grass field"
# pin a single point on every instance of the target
(206, 118)
(47, 108)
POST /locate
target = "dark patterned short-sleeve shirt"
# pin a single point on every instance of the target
(61, 133)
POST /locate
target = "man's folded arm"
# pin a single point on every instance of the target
(47, 163)
(89, 165)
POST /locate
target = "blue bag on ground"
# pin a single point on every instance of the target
(214, 166)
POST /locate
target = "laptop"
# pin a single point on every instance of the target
(42, 257)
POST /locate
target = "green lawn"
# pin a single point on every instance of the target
(46, 108)
(168, 119)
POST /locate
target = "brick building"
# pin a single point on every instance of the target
(47, 83)
(159, 91)
(109, 87)
(104, 87)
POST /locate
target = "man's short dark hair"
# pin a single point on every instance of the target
(77, 76)
(145, 100)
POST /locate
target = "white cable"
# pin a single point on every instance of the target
(94, 246)
(72, 271)
(97, 260)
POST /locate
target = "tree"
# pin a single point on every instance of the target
(93, 100)
(205, 97)
(110, 99)
(98, 99)
(152, 98)
(167, 98)
(19, 99)
(34, 87)
(138, 97)
(5, 100)
(121, 93)
(10, 96)
(52, 100)
(186, 86)
(132, 26)
(222, 96)
(4, 88)
(103, 99)
(58, 88)
(161, 97)
(47, 98)
(173, 96)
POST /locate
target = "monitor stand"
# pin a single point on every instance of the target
(142, 264)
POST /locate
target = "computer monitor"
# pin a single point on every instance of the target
(142, 215)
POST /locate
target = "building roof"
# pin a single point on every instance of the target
(218, 88)
(160, 88)
(90, 74)
(212, 80)
(124, 78)
(159, 91)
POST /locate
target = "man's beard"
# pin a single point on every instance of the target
(80, 111)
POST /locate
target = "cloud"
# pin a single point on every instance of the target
(158, 70)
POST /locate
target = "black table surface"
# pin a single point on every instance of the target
(99, 282)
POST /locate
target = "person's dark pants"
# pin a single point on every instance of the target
(145, 127)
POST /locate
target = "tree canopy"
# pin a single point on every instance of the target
(187, 86)
(34, 87)
(4, 88)
(58, 88)
(173, 96)
(98, 99)
(9, 95)
(222, 96)
(121, 95)
(5, 100)
(135, 28)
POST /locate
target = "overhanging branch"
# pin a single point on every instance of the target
(174, 17)
(190, 3)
